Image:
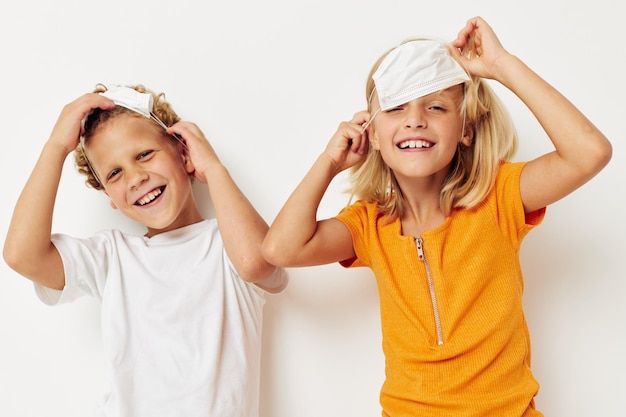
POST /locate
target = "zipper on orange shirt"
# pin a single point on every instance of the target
(431, 286)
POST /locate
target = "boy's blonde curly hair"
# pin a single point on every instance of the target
(98, 117)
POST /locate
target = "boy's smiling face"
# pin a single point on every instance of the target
(145, 173)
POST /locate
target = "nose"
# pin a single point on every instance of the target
(136, 177)
(415, 117)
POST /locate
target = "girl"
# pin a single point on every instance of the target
(441, 217)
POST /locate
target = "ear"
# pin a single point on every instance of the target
(184, 153)
(373, 138)
(468, 135)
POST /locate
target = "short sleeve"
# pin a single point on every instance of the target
(511, 214)
(85, 264)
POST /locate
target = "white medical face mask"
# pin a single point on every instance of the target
(133, 100)
(130, 98)
(415, 69)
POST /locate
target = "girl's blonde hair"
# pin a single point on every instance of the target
(474, 168)
(98, 117)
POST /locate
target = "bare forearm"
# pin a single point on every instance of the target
(28, 243)
(241, 227)
(296, 222)
(575, 138)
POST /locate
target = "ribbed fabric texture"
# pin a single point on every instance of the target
(482, 368)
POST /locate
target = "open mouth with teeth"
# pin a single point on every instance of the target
(415, 144)
(150, 197)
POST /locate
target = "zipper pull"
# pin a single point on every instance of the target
(420, 248)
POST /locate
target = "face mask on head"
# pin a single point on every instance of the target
(133, 100)
(415, 69)
(130, 98)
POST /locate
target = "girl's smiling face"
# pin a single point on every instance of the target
(419, 139)
(145, 173)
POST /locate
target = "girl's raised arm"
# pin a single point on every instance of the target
(296, 237)
(581, 150)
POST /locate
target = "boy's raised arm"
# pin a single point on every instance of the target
(28, 248)
(241, 227)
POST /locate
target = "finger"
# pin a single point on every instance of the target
(185, 132)
(463, 35)
(361, 146)
(184, 129)
(86, 103)
(357, 137)
(360, 117)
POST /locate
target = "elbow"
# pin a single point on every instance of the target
(256, 270)
(11, 256)
(19, 254)
(274, 254)
(38, 267)
(600, 157)
(606, 154)
(269, 277)
(18, 261)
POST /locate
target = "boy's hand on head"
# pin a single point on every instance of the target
(479, 49)
(67, 130)
(350, 143)
(201, 154)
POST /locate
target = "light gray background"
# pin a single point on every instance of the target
(268, 82)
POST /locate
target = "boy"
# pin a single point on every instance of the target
(181, 305)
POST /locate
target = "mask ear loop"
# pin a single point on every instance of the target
(164, 126)
(464, 109)
(369, 102)
(84, 151)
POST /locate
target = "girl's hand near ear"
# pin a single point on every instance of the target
(349, 144)
(296, 237)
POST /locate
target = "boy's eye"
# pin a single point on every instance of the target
(113, 174)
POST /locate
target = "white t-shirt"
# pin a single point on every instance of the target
(181, 330)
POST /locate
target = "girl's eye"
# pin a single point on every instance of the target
(144, 154)
(394, 109)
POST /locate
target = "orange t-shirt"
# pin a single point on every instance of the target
(455, 337)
